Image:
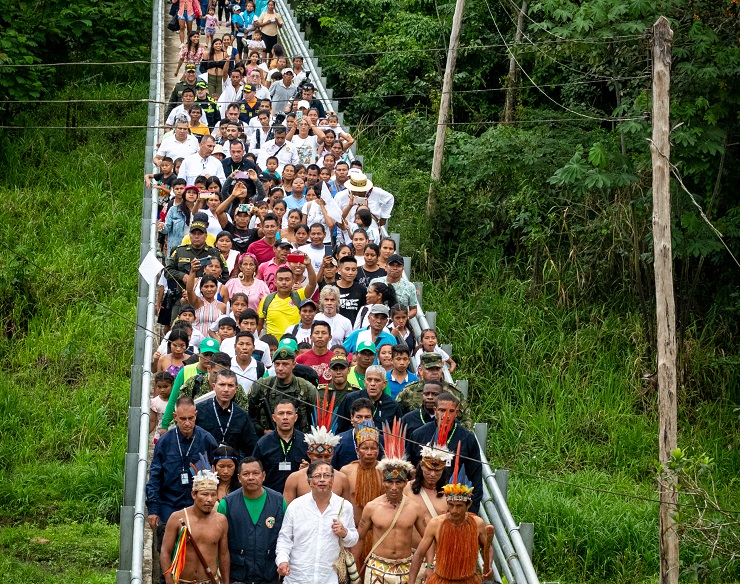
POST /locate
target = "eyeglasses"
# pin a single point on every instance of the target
(322, 476)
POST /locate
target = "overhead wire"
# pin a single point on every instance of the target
(88, 295)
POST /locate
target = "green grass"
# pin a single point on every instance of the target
(563, 393)
(72, 213)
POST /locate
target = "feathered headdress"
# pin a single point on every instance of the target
(366, 431)
(437, 455)
(205, 480)
(459, 488)
(321, 440)
(395, 466)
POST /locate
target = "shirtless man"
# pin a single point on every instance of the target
(365, 480)
(457, 535)
(426, 491)
(321, 445)
(393, 518)
(205, 529)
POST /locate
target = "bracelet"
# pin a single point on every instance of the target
(430, 566)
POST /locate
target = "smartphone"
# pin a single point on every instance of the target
(299, 115)
(203, 263)
(241, 174)
(209, 194)
(296, 258)
(360, 200)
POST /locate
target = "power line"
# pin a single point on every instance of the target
(325, 56)
(88, 295)
(542, 91)
(345, 98)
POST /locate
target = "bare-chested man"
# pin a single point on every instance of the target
(205, 529)
(321, 445)
(457, 535)
(365, 480)
(392, 517)
(426, 491)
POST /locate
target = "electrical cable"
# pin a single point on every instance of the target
(88, 295)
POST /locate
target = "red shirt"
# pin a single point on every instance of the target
(264, 252)
(318, 364)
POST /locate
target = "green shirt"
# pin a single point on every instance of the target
(254, 506)
(355, 378)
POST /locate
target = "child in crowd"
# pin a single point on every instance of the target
(162, 181)
(429, 345)
(163, 382)
(256, 43)
(399, 376)
(398, 326)
(211, 24)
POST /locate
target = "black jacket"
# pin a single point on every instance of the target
(386, 409)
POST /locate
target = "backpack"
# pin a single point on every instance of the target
(294, 296)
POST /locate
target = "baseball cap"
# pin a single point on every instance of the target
(284, 243)
(338, 360)
(283, 354)
(191, 67)
(200, 222)
(395, 259)
(288, 70)
(366, 346)
(288, 343)
(201, 85)
(236, 8)
(430, 360)
(209, 346)
(379, 309)
(303, 103)
(248, 87)
(306, 302)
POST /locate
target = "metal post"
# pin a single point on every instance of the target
(432, 320)
(407, 266)
(462, 385)
(501, 476)
(527, 532)
(419, 291)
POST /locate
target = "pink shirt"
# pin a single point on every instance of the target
(255, 292)
(264, 252)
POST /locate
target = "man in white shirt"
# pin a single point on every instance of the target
(182, 110)
(284, 151)
(298, 71)
(255, 79)
(202, 163)
(242, 363)
(379, 201)
(283, 91)
(180, 145)
(231, 92)
(308, 543)
(340, 325)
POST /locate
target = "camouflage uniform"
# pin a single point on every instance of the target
(267, 392)
(179, 263)
(240, 398)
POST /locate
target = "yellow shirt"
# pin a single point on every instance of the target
(210, 240)
(283, 313)
(202, 129)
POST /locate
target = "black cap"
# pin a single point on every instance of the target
(395, 259)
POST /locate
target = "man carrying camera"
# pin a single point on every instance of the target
(178, 266)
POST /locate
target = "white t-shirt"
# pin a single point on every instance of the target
(312, 211)
(195, 340)
(316, 255)
(307, 149)
(245, 377)
(340, 325)
(301, 335)
(228, 347)
(440, 352)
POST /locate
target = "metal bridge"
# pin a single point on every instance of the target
(512, 542)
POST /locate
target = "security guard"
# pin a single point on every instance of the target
(267, 392)
(339, 389)
(207, 104)
(191, 76)
(430, 369)
(178, 266)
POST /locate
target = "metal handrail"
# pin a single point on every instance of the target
(131, 558)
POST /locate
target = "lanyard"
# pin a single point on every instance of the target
(218, 420)
(449, 437)
(282, 445)
(182, 458)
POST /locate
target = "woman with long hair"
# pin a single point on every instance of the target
(269, 22)
(179, 217)
(217, 67)
(225, 463)
(377, 293)
(190, 52)
(207, 308)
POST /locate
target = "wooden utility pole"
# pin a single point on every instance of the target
(511, 87)
(444, 104)
(665, 306)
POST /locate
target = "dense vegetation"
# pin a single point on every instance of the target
(69, 236)
(538, 257)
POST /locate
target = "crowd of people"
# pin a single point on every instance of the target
(293, 437)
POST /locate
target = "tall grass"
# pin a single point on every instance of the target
(71, 216)
(568, 396)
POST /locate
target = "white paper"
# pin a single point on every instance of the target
(332, 209)
(150, 268)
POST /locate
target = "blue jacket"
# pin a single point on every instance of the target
(165, 492)
(384, 338)
(176, 227)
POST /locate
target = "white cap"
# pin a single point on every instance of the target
(304, 103)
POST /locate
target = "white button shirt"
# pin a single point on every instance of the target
(307, 542)
(174, 149)
(195, 165)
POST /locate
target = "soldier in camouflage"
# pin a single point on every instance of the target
(267, 392)
(430, 369)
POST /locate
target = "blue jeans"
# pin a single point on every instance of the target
(204, 11)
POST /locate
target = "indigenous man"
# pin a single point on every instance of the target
(197, 527)
(364, 477)
(321, 443)
(392, 517)
(457, 535)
